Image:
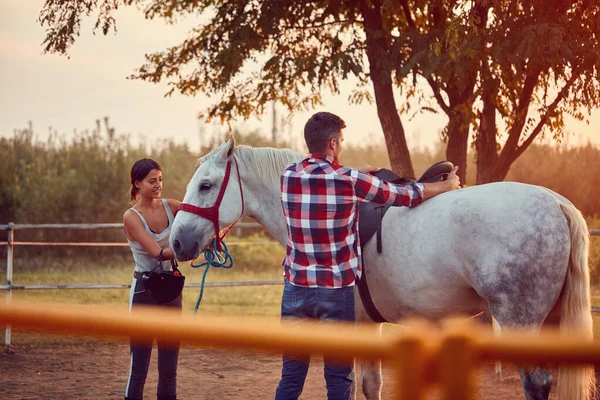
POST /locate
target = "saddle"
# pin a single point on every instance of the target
(370, 215)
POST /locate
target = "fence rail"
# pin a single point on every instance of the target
(421, 357)
(11, 243)
(128, 285)
(119, 225)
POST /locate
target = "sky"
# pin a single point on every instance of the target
(70, 94)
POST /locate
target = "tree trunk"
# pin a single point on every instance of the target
(487, 157)
(393, 131)
(461, 97)
(512, 150)
(458, 138)
(485, 143)
(381, 76)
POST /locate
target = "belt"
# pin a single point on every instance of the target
(144, 274)
(141, 275)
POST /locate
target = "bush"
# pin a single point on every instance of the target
(86, 180)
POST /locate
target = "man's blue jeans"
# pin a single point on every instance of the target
(315, 303)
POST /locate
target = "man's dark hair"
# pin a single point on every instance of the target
(320, 129)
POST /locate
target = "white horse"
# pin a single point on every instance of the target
(518, 251)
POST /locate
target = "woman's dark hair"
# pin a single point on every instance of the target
(141, 168)
(320, 129)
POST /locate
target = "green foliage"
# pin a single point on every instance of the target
(529, 62)
(572, 173)
(86, 180)
(246, 53)
(594, 223)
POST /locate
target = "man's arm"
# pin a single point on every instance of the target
(369, 188)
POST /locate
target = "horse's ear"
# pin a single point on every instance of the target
(231, 146)
(226, 149)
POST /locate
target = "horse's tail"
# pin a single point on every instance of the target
(576, 382)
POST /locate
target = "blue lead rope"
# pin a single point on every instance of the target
(213, 258)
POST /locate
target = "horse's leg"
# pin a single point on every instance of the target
(372, 382)
(536, 380)
(353, 377)
(497, 332)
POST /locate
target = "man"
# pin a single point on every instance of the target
(323, 260)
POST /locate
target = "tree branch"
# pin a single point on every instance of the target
(438, 95)
(407, 14)
(62, 20)
(482, 11)
(318, 26)
(520, 115)
(561, 95)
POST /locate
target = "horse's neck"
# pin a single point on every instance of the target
(265, 207)
(263, 187)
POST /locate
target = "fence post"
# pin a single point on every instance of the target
(456, 361)
(410, 362)
(9, 273)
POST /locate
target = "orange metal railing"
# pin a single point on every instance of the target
(421, 355)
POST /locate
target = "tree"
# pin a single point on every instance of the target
(482, 59)
(544, 66)
(255, 52)
(441, 42)
(529, 62)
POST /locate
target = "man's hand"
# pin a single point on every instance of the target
(453, 179)
(452, 182)
(367, 169)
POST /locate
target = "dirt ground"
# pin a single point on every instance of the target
(98, 370)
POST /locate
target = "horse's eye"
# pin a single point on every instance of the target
(205, 186)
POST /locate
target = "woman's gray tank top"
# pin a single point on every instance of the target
(143, 260)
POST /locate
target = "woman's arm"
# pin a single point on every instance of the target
(173, 205)
(136, 233)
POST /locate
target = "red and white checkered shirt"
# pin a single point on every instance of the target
(320, 202)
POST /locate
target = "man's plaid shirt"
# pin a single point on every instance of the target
(320, 202)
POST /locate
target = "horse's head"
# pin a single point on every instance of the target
(213, 201)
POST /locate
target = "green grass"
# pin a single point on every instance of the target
(252, 263)
(259, 301)
(253, 300)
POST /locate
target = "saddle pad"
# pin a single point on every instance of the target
(370, 214)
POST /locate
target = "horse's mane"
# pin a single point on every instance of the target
(267, 162)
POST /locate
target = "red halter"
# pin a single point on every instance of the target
(212, 213)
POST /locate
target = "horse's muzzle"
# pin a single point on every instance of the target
(185, 250)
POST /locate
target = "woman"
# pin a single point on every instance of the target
(148, 226)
